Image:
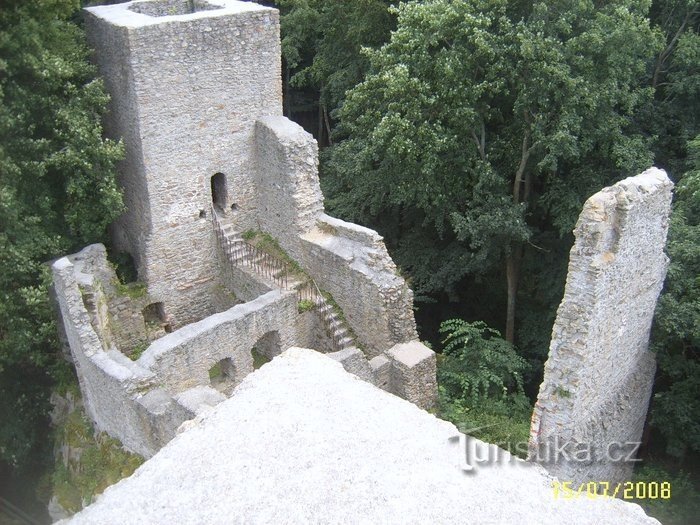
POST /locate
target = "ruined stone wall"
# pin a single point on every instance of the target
(112, 55)
(599, 374)
(197, 99)
(289, 195)
(142, 403)
(112, 385)
(352, 263)
(194, 84)
(182, 359)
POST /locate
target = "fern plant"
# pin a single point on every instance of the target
(478, 364)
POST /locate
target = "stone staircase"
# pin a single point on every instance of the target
(239, 252)
(335, 326)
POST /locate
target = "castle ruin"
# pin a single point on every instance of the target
(211, 164)
(239, 262)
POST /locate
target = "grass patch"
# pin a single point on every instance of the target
(562, 392)
(215, 372)
(682, 508)
(258, 359)
(491, 421)
(134, 290)
(268, 244)
(305, 305)
(138, 350)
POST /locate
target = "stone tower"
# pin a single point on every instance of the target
(188, 81)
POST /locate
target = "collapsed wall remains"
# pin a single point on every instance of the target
(592, 404)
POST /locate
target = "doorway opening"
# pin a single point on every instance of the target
(219, 191)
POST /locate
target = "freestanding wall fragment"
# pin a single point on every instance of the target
(593, 401)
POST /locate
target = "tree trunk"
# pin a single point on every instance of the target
(515, 255)
(512, 275)
(285, 97)
(328, 125)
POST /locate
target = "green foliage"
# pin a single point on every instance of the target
(57, 191)
(480, 385)
(683, 508)
(216, 372)
(268, 244)
(496, 422)
(479, 120)
(138, 350)
(322, 42)
(673, 119)
(305, 305)
(676, 335)
(258, 359)
(134, 290)
(477, 364)
(102, 462)
(124, 267)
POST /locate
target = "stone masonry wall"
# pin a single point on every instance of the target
(182, 359)
(352, 263)
(289, 194)
(112, 55)
(349, 261)
(197, 100)
(193, 84)
(112, 385)
(142, 403)
(599, 374)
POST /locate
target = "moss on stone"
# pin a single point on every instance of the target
(88, 462)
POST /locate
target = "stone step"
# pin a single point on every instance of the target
(335, 322)
(340, 333)
(325, 308)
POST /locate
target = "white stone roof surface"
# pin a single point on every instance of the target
(121, 15)
(303, 441)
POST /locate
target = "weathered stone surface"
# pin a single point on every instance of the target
(302, 441)
(142, 403)
(599, 374)
(413, 373)
(353, 264)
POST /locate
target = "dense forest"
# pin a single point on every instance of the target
(467, 132)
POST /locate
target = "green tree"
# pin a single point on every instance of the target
(483, 122)
(480, 378)
(676, 336)
(321, 46)
(477, 364)
(57, 191)
(674, 116)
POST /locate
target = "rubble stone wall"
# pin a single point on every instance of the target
(599, 373)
